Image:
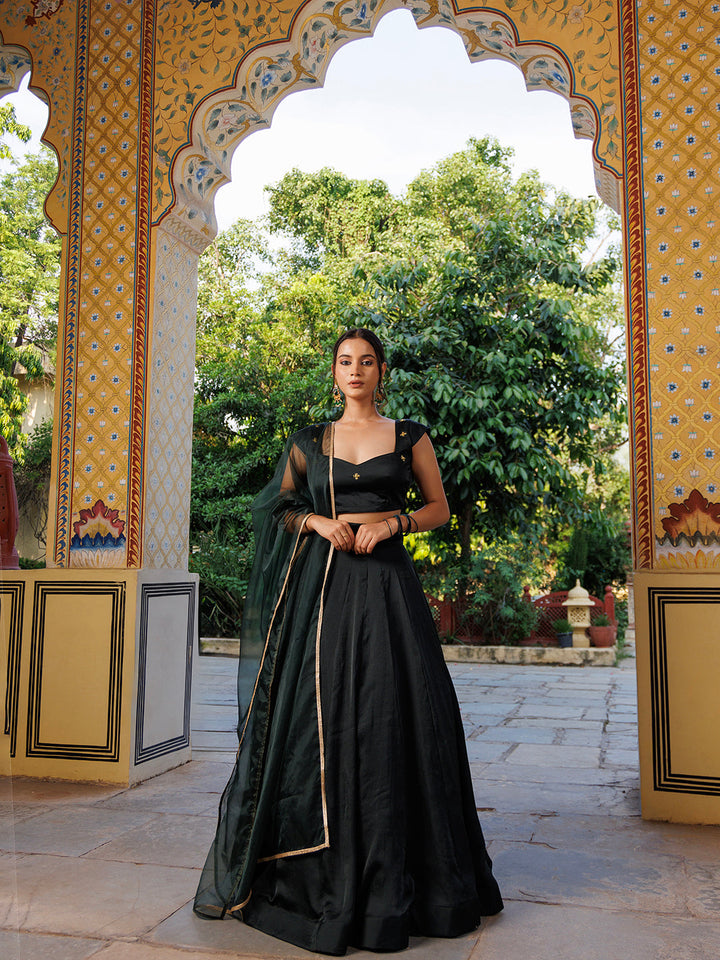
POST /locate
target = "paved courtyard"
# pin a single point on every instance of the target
(95, 871)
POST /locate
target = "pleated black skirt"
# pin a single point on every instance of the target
(406, 854)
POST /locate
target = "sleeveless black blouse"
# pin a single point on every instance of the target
(380, 483)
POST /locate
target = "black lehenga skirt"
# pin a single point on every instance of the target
(406, 854)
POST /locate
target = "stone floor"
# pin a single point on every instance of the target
(89, 870)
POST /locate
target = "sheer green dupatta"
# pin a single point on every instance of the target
(274, 803)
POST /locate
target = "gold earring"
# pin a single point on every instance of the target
(337, 395)
(380, 395)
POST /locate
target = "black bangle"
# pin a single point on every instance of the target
(397, 517)
(388, 526)
(412, 520)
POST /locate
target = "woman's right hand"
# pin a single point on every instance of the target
(338, 532)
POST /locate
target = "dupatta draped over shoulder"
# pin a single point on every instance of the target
(274, 804)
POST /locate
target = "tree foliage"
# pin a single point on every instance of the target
(32, 479)
(499, 327)
(488, 343)
(29, 272)
(261, 363)
(332, 217)
(9, 125)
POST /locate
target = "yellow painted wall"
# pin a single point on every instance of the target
(678, 662)
(71, 643)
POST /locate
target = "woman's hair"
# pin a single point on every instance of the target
(361, 333)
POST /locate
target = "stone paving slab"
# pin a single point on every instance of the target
(25, 791)
(148, 951)
(74, 831)
(648, 883)
(90, 898)
(554, 755)
(195, 802)
(533, 774)
(478, 750)
(546, 799)
(16, 945)
(167, 839)
(499, 734)
(538, 932)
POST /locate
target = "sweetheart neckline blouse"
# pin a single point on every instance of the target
(377, 455)
(380, 483)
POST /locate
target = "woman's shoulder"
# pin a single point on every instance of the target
(307, 435)
(412, 429)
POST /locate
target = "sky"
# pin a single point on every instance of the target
(393, 105)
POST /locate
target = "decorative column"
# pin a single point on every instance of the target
(672, 90)
(100, 644)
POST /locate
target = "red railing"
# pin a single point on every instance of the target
(450, 622)
(550, 608)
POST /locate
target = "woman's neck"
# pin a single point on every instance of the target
(360, 413)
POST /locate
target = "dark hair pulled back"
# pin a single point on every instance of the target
(361, 333)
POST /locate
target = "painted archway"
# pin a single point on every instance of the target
(149, 98)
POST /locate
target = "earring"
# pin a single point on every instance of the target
(380, 395)
(337, 395)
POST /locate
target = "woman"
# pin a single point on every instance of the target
(349, 819)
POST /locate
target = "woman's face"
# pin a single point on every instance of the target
(356, 369)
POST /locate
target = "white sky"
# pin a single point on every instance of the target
(393, 105)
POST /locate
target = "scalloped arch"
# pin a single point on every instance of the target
(265, 77)
(14, 64)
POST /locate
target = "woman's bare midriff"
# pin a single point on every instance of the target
(367, 517)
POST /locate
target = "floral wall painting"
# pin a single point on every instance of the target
(691, 536)
(14, 64)
(98, 537)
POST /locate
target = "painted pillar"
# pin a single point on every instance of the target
(670, 58)
(99, 646)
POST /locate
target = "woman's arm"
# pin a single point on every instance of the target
(435, 511)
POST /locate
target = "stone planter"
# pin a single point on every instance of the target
(565, 639)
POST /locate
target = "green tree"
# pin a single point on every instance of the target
(499, 326)
(330, 216)
(9, 126)
(486, 344)
(261, 364)
(29, 272)
(229, 274)
(32, 479)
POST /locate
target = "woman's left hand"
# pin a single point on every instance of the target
(369, 534)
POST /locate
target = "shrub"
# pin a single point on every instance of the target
(598, 554)
(222, 559)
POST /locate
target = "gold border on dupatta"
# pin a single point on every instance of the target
(321, 738)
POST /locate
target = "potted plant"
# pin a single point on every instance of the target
(563, 631)
(602, 632)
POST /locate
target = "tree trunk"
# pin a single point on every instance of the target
(465, 529)
(465, 518)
